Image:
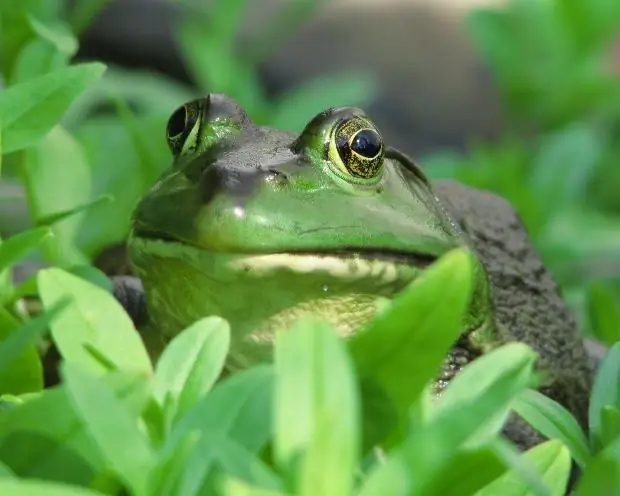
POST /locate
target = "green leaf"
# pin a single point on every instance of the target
(605, 391)
(233, 487)
(20, 366)
(16, 247)
(553, 421)
(476, 378)
(390, 478)
(213, 63)
(15, 29)
(299, 105)
(610, 425)
(602, 475)
(114, 429)
(571, 153)
(57, 34)
(141, 139)
(50, 219)
(21, 487)
(190, 364)
(603, 313)
(315, 385)
(5, 472)
(470, 470)
(238, 407)
(172, 464)
(231, 458)
(29, 110)
(43, 437)
(94, 331)
(419, 327)
(110, 223)
(36, 58)
(551, 459)
(40, 176)
(448, 429)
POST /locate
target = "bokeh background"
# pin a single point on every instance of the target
(520, 97)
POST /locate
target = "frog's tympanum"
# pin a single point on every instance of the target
(260, 226)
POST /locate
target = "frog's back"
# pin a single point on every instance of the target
(526, 299)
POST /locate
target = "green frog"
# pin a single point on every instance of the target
(261, 226)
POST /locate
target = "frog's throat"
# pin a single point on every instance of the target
(260, 294)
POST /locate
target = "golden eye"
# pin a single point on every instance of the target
(356, 147)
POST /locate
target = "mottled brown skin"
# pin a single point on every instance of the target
(526, 299)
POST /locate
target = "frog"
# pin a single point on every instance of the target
(262, 226)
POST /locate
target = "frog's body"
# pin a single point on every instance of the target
(260, 226)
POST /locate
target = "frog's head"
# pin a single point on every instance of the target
(259, 226)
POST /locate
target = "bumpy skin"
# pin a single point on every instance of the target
(526, 299)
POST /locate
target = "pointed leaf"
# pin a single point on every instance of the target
(419, 327)
(551, 459)
(234, 487)
(40, 176)
(190, 364)
(29, 110)
(605, 391)
(22, 487)
(5, 472)
(315, 385)
(470, 470)
(20, 366)
(553, 421)
(610, 424)
(115, 430)
(94, 331)
(602, 474)
(215, 451)
(451, 427)
(478, 376)
(50, 219)
(238, 407)
(16, 247)
(43, 437)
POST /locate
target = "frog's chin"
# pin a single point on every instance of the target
(262, 294)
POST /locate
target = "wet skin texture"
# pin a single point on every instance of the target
(260, 226)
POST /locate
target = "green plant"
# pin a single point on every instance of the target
(286, 428)
(557, 160)
(328, 416)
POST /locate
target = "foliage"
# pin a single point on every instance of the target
(327, 416)
(557, 161)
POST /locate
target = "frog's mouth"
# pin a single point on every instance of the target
(336, 261)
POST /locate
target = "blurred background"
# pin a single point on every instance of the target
(520, 97)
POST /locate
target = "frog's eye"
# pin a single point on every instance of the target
(182, 127)
(356, 149)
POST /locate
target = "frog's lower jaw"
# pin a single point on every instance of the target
(261, 294)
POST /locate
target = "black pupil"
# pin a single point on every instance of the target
(367, 143)
(176, 124)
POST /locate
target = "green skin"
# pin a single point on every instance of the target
(260, 227)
